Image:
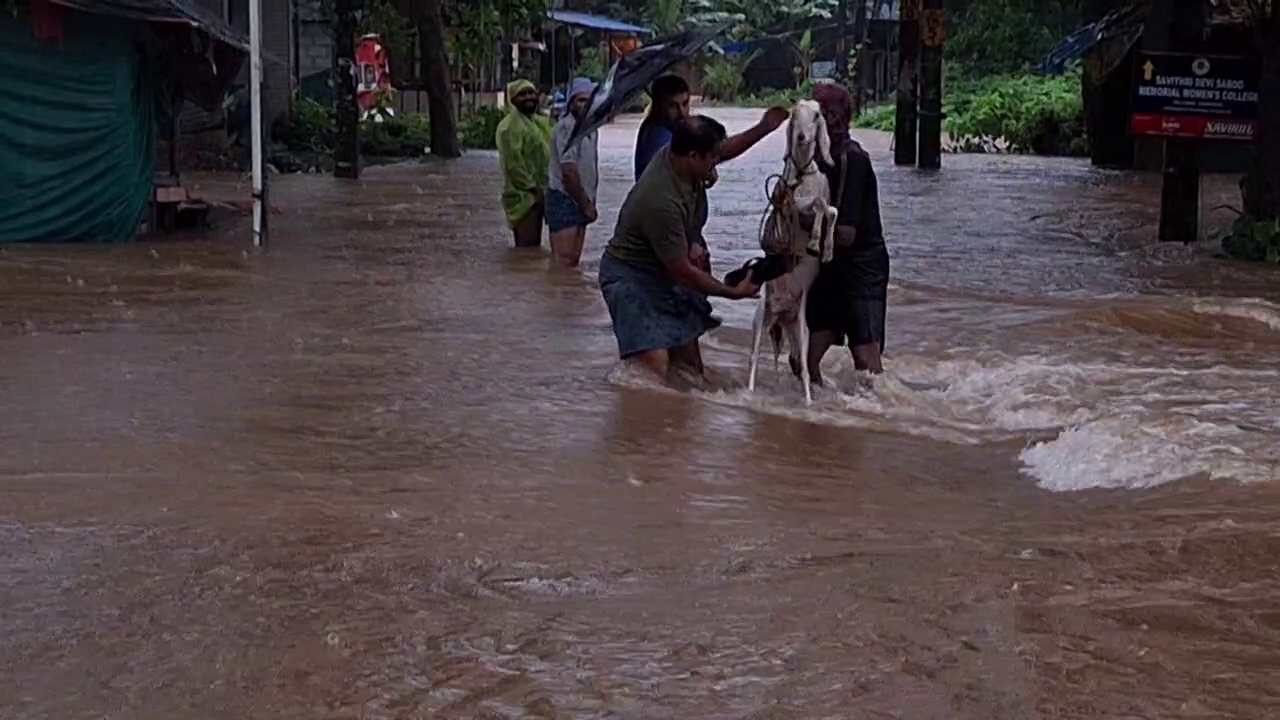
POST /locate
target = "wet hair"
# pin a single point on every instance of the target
(697, 135)
(660, 90)
(667, 86)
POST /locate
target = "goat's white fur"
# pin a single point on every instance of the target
(807, 144)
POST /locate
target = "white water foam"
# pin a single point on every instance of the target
(1255, 309)
(1087, 425)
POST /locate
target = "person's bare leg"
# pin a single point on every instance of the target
(578, 244)
(562, 248)
(657, 362)
(867, 357)
(689, 355)
(819, 343)
(528, 232)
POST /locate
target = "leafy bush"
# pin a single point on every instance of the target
(478, 128)
(1023, 113)
(593, 63)
(1028, 113)
(878, 117)
(308, 126)
(1252, 239)
(312, 127)
(785, 98)
(408, 136)
(723, 75)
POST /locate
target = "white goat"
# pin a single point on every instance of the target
(802, 190)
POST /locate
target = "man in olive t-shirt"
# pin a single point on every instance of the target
(650, 274)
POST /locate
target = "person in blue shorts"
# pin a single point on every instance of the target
(573, 177)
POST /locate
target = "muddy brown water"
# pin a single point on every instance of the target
(389, 469)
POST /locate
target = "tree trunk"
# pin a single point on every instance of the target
(859, 84)
(1262, 183)
(444, 125)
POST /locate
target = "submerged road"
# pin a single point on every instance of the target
(390, 469)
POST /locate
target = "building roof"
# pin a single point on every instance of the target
(595, 22)
(180, 11)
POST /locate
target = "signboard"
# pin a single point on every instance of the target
(933, 28)
(1195, 96)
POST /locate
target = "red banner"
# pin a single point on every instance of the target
(1194, 126)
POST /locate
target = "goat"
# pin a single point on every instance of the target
(802, 190)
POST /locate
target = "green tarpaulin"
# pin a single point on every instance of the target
(77, 131)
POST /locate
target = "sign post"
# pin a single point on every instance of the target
(1195, 96)
(905, 141)
(932, 36)
(1189, 99)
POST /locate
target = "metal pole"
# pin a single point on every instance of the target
(255, 118)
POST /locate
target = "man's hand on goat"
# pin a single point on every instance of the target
(744, 289)
(774, 117)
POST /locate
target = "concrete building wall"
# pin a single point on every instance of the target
(315, 38)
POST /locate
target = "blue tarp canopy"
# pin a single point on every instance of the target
(595, 22)
(1114, 34)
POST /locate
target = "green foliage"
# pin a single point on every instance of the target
(479, 46)
(754, 17)
(396, 31)
(785, 98)
(878, 117)
(722, 75)
(1022, 113)
(1253, 239)
(1028, 113)
(593, 63)
(399, 137)
(478, 128)
(308, 126)
(997, 37)
(313, 127)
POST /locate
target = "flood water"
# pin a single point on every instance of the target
(390, 469)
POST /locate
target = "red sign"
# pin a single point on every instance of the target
(1194, 126)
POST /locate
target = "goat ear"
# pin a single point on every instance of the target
(824, 142)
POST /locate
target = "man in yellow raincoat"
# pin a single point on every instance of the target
(524, 150)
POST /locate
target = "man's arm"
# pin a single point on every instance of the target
(572, 180)
(664, 226)
(747, 139)
(704, 282)
(573, 186)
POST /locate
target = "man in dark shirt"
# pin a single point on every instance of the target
(650, 275)
(848, 302)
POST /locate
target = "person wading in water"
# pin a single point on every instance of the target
(572, 177)
(524, 150)
(669, 105)
(848, 301)
(655, 289)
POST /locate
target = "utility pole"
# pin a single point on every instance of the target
(260, 205)
(904, 125)
(346, 153)
(842, 43)
(932, 34)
